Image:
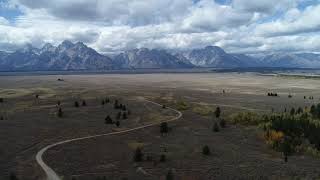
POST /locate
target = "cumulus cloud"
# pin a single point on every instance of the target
(294, 22)
(116, 25)
(264, 6)
(114, 12)
(3, 21)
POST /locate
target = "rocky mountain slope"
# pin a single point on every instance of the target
(77, 56)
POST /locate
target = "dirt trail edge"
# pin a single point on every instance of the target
(52, 175)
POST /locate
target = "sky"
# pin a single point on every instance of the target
(111, 26)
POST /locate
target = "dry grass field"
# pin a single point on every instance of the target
(237, 152)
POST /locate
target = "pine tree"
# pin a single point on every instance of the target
(222, 123)
(164, 127)
(1, 100)
(138, 155)
(84, 103)
(163, 158)
(170, 175)
(124, 115)
(216, 127)
(76, 104)
(116, 104)
(60, 112)
(118, 123)
(13, 176)
(102, 102)
(206, 150)
(292, 111)
(118, 116)
(217, 112)
(108, 120)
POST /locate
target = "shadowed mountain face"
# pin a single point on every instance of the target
(145, 58)
(70, 56)
(212, 56)
(67, 56)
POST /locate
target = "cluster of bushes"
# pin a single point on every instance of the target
(296, 128)
(288, 132)
(272, 94)
(182, 106)
(247, 118)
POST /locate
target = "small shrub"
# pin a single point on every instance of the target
(182, 106)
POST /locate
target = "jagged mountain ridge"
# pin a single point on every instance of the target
(77, 56)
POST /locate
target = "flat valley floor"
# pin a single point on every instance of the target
(237, 152)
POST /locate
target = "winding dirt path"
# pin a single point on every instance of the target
(52, 175)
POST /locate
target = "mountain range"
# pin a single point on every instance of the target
(78, 56)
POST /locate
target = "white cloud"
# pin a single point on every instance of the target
(116, 25)
(294, 22)
(264, 6)
(3, 21)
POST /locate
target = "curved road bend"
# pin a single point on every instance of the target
(52, 175)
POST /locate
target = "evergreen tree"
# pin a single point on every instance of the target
(102, 102)
(138, 155)
(1, 100)
(124, 108)
(164, 127)
(108, 120)
(13, 176)
(116, 104)
(84, 103)
(164, 107)
(217, 112)
(60, 112)
(216, 127)
(76, 104)
(292, 111)
(124, 115)
(206, 150)
(118, 115)
(59, 103)
(118, 123)
(313, 110)
(163, 158)
(286, 148)
(300, 110)
(1, 118)
(170, 175)
(222, 123)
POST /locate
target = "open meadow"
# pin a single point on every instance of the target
(39, 110)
